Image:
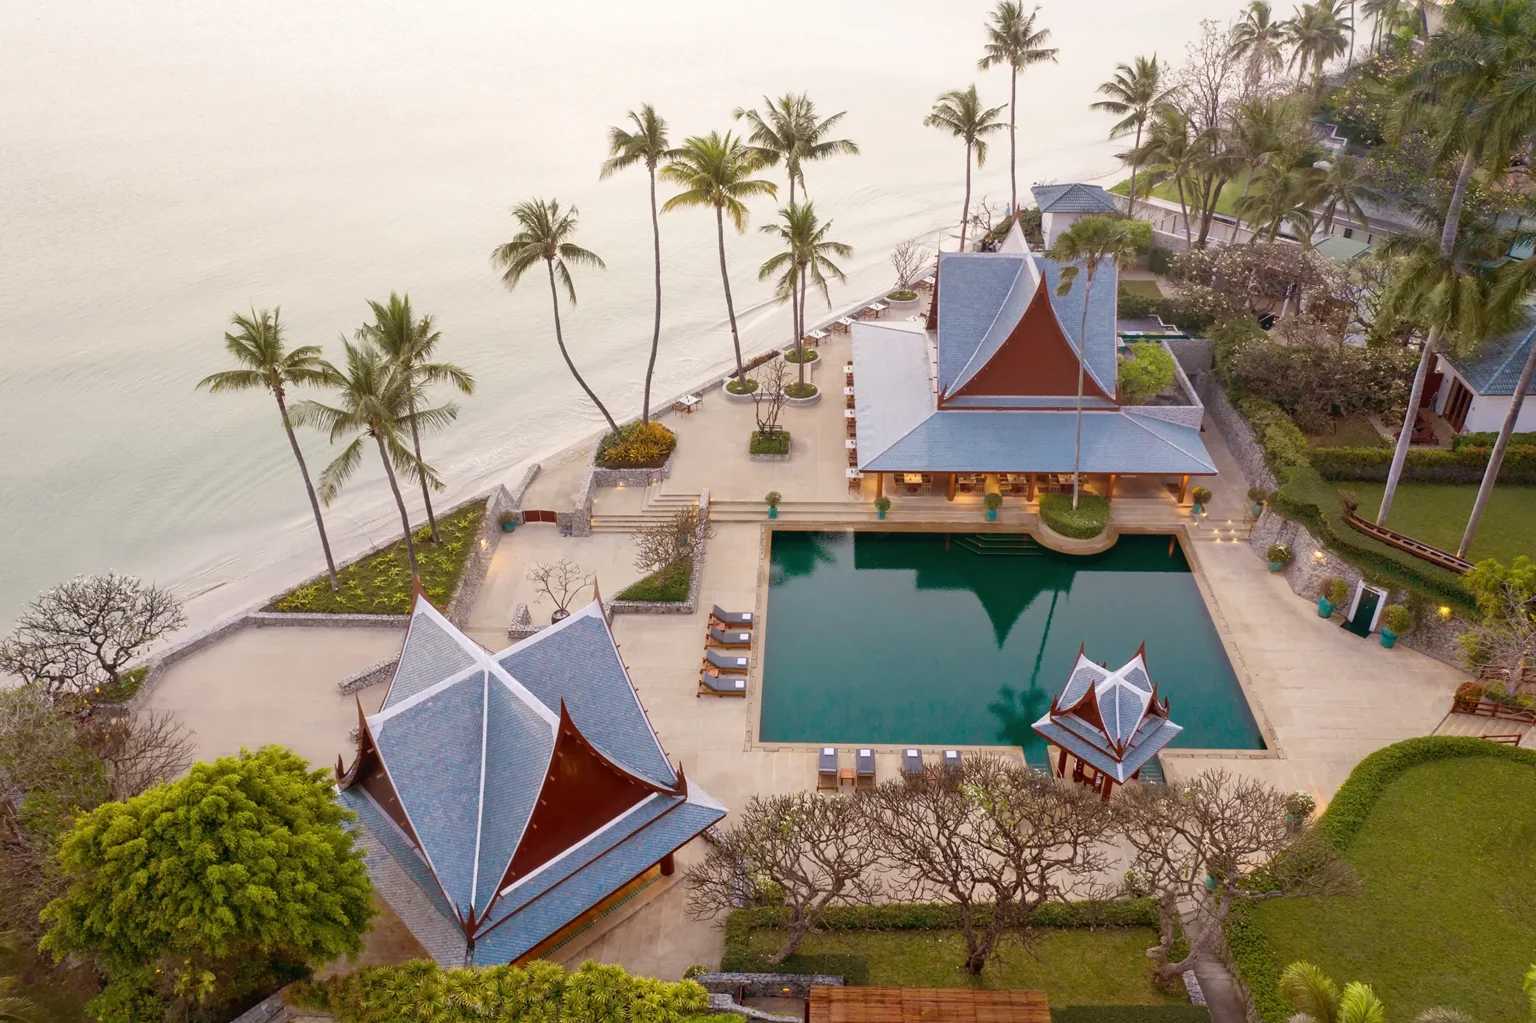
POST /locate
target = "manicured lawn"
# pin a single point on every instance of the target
(667, 584)
(1142, 289)
(1350, 432)
(1073, 966)
(1448, 914)
(1230, 193)
(1436, 513)
(381, 582)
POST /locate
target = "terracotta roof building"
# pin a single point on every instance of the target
(508, 797)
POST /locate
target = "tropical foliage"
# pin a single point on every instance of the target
(961, 113)
(1014, 42)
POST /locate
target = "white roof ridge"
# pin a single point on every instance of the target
(385, 714)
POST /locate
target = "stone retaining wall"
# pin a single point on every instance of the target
(521, 626)
(369, 676)
(1239, 436)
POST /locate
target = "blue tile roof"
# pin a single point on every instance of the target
(431, 654)
(391, 840)
(1038, 441)
(1102, 304)
(575, 661)
(599, 879)
(1072, 198)
(972, 288)
(517, 754)
(1495, 368)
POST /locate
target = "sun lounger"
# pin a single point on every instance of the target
(864, 769)
(719, 637)
(826, 768)
(726, 663)
(951, 759)
(740, 619)
(722, 685)
(912, 763)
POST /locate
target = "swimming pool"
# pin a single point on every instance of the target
(950, 639)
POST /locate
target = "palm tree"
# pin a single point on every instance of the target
(1259, 40)
(1318, 999)
(1134, 93)
(1385, 16)
(1174, 154)
(545, 233)
(1284, 199)
(1316, 33)
(804, 260)
(1013, 40)
(647, 144)
(256, 344)
(790, 132)
(376, 401)
(1514, 282)
(15, 1008)
(1265, 130)
(716, 170)
(1444, 292)
(1342, 187)
(1091, 242)
(410, 344)
(960, 113)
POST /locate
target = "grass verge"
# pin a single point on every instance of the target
(665, 585)
(768, 444)
(1439, 830)
(380, 584)
(1141, 289)
(1436, 513)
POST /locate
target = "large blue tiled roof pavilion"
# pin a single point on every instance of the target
(508, 798)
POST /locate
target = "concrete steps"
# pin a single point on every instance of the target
(655, 507)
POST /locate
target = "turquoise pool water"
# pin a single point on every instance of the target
(931, 639)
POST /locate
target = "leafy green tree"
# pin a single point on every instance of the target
(1145, 369)
(647, 144)
(179, 890)
(546, 233)
(716, 170)
(378, 402)
(789, 131)
(1259, 41)
(410, 345)
(1506, 596)
(1014, 42)
(257, 345)
(960, 113)
(1171, 152)
(1093, 242)
(1134, 93)
(804, 260)
(1317, 34)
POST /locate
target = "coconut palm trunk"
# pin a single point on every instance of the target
(554, 297)
(1013, 143)
(1427, 358)
(309, 488)
(405, 519)
(1082, 362)
(798, 303)
(650, 367)
(730, 306)
(1130, 202)
(1496, 457)
(426, 496)
(965, 214)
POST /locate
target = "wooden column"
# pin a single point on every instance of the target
(668, 865)
(1033, 482)
(950, 488)
(1109, 494)
(1183, 487)
(880, 485)
(1061, 763)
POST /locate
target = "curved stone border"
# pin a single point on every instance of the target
(1048, 537)
(736, 399)
(814, 399)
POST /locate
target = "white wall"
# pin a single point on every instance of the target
(1486, 413)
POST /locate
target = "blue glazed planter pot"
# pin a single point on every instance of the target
(1196, 508)
(507, 527)
(773, 512)
(1275, 566)
(991, 514)
(1258, 509)
(879, 514)
(1388, 638)
(1324, 607)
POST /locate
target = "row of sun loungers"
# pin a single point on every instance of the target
(725, 666)
(830, 774)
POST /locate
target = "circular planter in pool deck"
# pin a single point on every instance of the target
(901, 309)
(814, 399)
(1048, 537)
(736, 399)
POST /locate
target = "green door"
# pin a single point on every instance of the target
(1360, 622)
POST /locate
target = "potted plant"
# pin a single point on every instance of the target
(1468, 694)
(773, 500)
(1202, 497)
(1257, 496)
(1335, 592)
(1279, 556)
(560, 582)
(993, 503)
(1395, 622)
(1299, 806)
(508, 520)
(882, 505)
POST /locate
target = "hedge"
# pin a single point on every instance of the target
(908, 916)
(1465, 464)
(1084, 522)
(1131, 1014)
(1487, 440)
(1351, 806)
(1306, 497)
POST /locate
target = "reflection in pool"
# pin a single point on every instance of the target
(957, 639)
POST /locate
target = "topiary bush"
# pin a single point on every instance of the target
(1085, 522)
(636, 446)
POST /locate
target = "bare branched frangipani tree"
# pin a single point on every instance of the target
(561, 582)
(769, 398)
(83, 634)
(804, 852)
(1198, 843)
(669, 541)
(996, 840)
(910, 260)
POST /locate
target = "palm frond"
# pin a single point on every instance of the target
(1310, 989)
(232, 380)
(335, 476)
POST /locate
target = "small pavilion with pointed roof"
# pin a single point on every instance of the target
(988, 385)
(1109, 723)
(510, 798)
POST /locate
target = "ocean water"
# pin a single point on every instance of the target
(164, 163)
